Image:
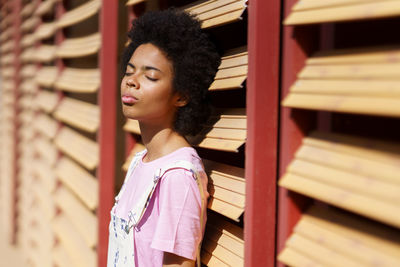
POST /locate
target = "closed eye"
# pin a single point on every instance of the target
(151, 79)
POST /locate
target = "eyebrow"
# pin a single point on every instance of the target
(146, 67)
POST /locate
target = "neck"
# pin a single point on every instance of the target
(160, 140)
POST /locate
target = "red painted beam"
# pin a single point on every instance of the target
(297, 44)
(107, 133)
(262, 132)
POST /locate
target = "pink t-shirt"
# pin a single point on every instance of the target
(171, 222)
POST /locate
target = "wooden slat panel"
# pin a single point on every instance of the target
(82, 183)
(79, 14)
(28, 9)
(223, 19)
(310, 4)
(84, 220)
(45, 30)
(345, 171)
(364, 185)
(46, 200)
(27, 55)
(133, 2)
(224, 208)
(30, 23)
(45, 7)
(28, 71)
(293, 258)
(132, 126)
(47, 101)
(46, 76)
(80, 148)
(27, 40)
(46, 150)
(323, 255)
(339, 232)
(46, 125)
(226, 188)
(224, 132)
(78, 80)
(223, 242)
(74, 244)
(77, 47)
(342, 87)
(225, 175)
(214, 13)
(372, 55)
(79, 114)
(210, 260)
(357, 165)
(351, 71)
(225, 78)
(44, 171)
(379, 210)
(345, 12)
(60, 256)
(376, 150)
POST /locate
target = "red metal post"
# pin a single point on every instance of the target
(107, 132)
(297, 43)
(262, 132)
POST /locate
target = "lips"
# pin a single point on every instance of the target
(129, 99)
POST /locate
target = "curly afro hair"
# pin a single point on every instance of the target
(194, 58)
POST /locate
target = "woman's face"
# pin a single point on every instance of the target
(146, 89)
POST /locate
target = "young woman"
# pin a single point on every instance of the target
(158, 218)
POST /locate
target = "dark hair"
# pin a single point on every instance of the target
(194, 58)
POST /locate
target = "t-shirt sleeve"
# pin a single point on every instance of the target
(178, 229)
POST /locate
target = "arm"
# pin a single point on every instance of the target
(172, 260)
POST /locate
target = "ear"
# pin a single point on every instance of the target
(181, 101)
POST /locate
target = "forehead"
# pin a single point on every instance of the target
(150, 55)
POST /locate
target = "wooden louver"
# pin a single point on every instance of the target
(46, 76)
(45, 7)
(226, 131)
(134, 2)
(46, 125)
(233, 70)
(81, 182)
(360, 175)
(79, 114)
(223, 244)
(81, 255)
(363, 81)
(78, 80)
(78, 147)
(79, 14)
(78, 47)
(45, 30)
(326, 237)
(217, 12)
(226, 185)
(47, 101)
(46, 150)
(45, 53)
(82, 218)
(309, 11)
(30, 23)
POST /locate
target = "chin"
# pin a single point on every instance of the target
(128, 113)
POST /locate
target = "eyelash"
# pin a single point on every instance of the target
(151, 79)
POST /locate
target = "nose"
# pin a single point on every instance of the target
(132, 82)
